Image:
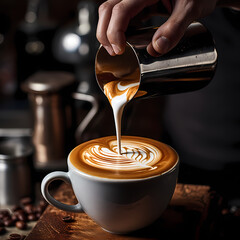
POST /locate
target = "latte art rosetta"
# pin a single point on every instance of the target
(135, 156)
(141, 157)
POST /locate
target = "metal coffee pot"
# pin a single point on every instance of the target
(51, 96)
(187, 67)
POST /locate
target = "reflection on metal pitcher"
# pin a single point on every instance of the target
(188, 67)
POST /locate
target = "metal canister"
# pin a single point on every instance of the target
(16, 170)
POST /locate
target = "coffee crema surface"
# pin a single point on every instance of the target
(141, 157)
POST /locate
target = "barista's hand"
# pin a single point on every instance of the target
(115, 15)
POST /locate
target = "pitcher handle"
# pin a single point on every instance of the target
(58, 175)
(91, 114)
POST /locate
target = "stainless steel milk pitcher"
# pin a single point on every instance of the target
(188, 67)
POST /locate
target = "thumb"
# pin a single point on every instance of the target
(169, 34)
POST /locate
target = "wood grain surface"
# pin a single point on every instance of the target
(187, 216)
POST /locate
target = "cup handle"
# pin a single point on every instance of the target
(58, 175)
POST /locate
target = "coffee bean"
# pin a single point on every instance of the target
(2, 230)
(67, 219)
(5, 218)
(8, 222)
(26, 201)
(42, 203)
(14, 217)
(4, 213)
(29, 208)
(39, 209)
(15, 208)
(19, 211)
(22, 216)
(32, 217)
(38, 215)
(15, 236)
(21, 225)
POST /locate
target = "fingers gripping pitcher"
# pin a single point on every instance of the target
(189, 66)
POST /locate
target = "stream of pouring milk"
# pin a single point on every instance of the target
(119, 93)
(118, 104)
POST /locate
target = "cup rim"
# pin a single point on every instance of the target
(71, 167)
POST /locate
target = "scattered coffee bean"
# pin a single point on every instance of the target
(21, 225)
(4, 213)
(8, 223)
(38, 215)
(6, 218)
(22, 216)
(32, 217)
(67, 219)
(26, 201)
(15, 208)
(42, 203)
(21, 213)
(14, 217)
(2, 230)
(15, 236)
(39, 209)
(29, 208)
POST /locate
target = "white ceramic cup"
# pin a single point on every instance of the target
(117, 205)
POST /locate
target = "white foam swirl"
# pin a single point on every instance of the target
(128, 86)
(135, 156)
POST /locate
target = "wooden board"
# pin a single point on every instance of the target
(187, 216)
